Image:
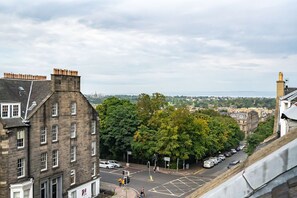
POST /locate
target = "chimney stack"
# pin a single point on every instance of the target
(65, 80)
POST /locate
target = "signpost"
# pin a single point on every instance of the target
(128, 153)
(167, 159)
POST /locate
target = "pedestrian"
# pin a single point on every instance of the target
(120, 182)
(142, 194)
(155, 168)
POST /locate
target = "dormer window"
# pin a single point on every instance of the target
(4, 111)
(11, 110)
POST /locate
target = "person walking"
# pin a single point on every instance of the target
(142, 194)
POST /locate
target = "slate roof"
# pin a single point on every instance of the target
(289, 90)
(19, 91)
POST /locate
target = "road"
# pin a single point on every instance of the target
(168, 185)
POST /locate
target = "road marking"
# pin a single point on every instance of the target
(180, 186)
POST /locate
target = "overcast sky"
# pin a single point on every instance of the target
(175, 47)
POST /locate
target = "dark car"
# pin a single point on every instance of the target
(233, 163)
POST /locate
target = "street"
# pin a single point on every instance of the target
(162, 185)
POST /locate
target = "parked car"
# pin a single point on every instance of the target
(208, 164)
(233, 151)
(214, 159)
(222, 157)
(115, 163)
(240, 147)
(227, 154)
(105, 164)
(233, 163)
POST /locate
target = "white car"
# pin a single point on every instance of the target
(115, 163)
(208, 164)
(105, 164)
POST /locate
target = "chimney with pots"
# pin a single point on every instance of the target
(65, 80)
(23, 76)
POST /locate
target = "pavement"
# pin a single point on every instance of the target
(120, 192)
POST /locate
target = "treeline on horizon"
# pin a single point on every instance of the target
(150, 125)
(198, 101)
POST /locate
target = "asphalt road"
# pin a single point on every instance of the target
(167, 185)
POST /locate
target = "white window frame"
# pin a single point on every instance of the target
(43, 162)
(94, 169)
(93, 189)
(73, 108)
(10, 110)
(55, 109)
(93, 127)
(73, 194)
(55, 133)
(55, 158)
(72, 153)
(21, 167)
(20, 136)
(15, 110)
(43, 135)
(27, 191)
(93, 148)
(73, 130)
(72, 175)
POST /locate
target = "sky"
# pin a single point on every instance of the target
(174, 47)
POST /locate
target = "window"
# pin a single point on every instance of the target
(54, 188)
(10, 110)
(55, 130)
(94, 169)
(43, 161)
(15, 110)
(93, 127)
(21, 168)
(72, 153)
(73, 130)
(43, 132)
(4, 111)
(43, 190)
(73, 108)
(73, 194)
(93, 149)
(20, 139)
(55, 109)
(55, 158)
(72, 177)
(93, 189)
(26, 193)
(16, 194)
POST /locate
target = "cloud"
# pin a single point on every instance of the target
(140, 46)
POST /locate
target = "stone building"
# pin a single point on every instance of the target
(248, 121)
(49, 142)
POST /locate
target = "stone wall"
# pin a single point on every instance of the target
(85, 114)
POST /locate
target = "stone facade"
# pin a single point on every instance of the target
(57, 122)
(248, 121)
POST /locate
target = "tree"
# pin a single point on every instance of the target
(118, 123)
